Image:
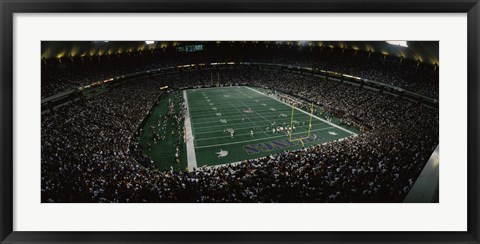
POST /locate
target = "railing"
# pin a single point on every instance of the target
(426, 187)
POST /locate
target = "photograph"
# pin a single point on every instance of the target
(239, 121)
(272, 121)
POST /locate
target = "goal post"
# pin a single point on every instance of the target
(309, 124)
(291, 122)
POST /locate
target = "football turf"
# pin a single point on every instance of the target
(163, 152)
(215, 112)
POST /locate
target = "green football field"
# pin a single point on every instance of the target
(162, 152)
(215, 112)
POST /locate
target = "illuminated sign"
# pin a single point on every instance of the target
(190, 48)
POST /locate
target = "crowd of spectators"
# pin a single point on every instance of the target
(88, 154)
(169, 126)
(420, 78)
(87, 142)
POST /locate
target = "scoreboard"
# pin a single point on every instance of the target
(190, 48)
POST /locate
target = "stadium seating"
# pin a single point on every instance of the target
(89, 153)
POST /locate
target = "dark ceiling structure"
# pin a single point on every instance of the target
(421, 51)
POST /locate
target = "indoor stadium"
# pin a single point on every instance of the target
(239, 121)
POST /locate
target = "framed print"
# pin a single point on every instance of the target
(262, 122)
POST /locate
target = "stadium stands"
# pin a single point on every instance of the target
(89, 153)
(407, 74)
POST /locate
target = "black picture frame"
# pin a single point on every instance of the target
(9, 7)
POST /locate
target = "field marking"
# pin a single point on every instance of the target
(249, 127)
(233, 117)
(203, 114)
(330, 123)
(260, 139)
(207, 113)
(246, 134)
(209, 138)
(260, 123)
(191, 157)
(260, 158)
(219, 105)
(244, 116)
(217, 101)
(227, 109)
(257, 114)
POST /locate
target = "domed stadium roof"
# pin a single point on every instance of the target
(423, 51)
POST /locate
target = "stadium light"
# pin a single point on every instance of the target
(398, 43)
(149, 42)
(301, 43)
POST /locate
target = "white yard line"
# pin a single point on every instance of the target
(330, 123)
(246, 134)
(244, 116)
(219, 101)
(232, 118)
(218, 137)
(258, 125)
(191, 157)
(209, 113)
(203, 106)
(260, 139)
(248, 127)
(259, 114)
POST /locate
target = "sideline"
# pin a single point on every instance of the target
(191, 157)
